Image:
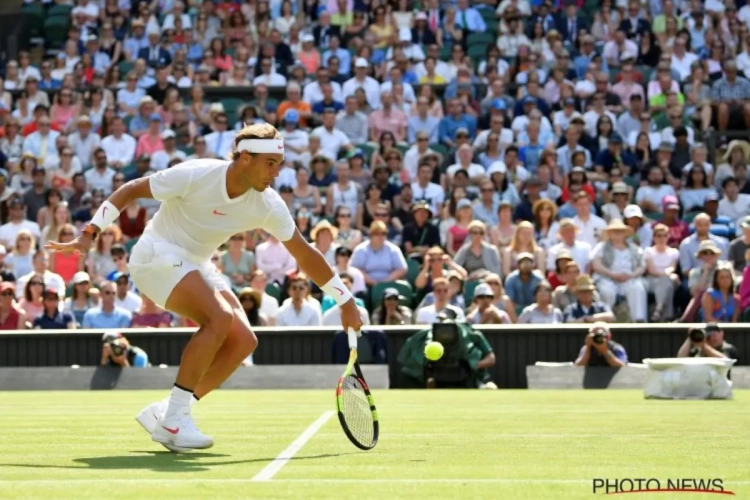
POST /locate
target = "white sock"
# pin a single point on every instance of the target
(193, 400)
(179, 402)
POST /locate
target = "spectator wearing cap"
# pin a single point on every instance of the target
(296, 141)
(739, 246)
(362, 80)
(80, 300)
(569, 242)
(83, 142)
(161, 158)
(620, 198)
(643, 233)
(52, 318)
(390, 312)
(118, 148)
(107, 314)
(483, 311)
(124, 297)
(151, 141)
(12, 317)
(40, 269)
(521, 284)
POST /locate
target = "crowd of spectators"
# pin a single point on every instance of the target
(521, 162)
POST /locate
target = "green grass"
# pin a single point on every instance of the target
(434, 444)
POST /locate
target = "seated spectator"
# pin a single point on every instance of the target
(299, 309)
(80, 300)
(720, 303)
(541, 311)
(66, 265)
(661, 277)
(390, 312)
(501, 301)
(521, 283)
(236, 262)
(378, 259)
(150, 315)
(274, 259)
(323, 236)
(107, 315)
(556, 278)
(39, 268)
(600, 350)
(17, 222)
(12, 317)
(478, 257)
(125, 298)
(690, 246)
(348, 236)
(251, 300)
(428, 315)
(545, 224)
(678, 228)
(420, 235)
(52, 318)
(483, 311)
(618, 266)
(701, 277)
(585, 309)
(643, 234)
(99, 262)
(522, 242)
(502, 232)
(569, 242)
(565, 294)
(31, 300)
(436, 264)
(268, 305)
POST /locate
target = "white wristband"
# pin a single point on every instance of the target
(105, 216)
(336, 289)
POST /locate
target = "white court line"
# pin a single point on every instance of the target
(280, 461)
(138, 481)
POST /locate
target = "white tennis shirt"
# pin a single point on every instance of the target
(197, 215)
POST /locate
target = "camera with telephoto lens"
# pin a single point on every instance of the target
(697, 335)
(117, 347)
(599, 338)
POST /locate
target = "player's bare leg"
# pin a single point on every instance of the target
(194, 298)
(238, 345)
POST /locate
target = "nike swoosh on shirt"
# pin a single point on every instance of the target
(216, 212)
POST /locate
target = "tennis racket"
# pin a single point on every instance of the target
(356, 406)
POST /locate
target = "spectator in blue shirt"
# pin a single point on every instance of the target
(455, 120)
(334, 49)
(614, 153)
(469, 18)
(328, 101)
(107, 315)
(52, 318)
(47, 82)
(522, 282)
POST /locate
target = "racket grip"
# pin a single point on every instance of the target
(352, 334)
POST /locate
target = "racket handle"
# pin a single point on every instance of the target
(352, 334)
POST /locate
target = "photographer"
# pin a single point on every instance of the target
(600, 350)
(707, 343)
(117, 351)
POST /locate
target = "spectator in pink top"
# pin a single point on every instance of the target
(745, 285)
(388, 119)
(151, 142)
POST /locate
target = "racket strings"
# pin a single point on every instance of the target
(357, 412)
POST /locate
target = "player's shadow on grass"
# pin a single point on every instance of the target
(163, 461)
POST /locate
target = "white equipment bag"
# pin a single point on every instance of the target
(688, 378)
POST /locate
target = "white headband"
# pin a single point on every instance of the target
(261, 146)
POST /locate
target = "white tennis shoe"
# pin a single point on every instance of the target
(179, 431)
(150, 415)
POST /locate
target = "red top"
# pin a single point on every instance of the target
(11, 322)
(133, 228)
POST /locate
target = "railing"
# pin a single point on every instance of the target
(515, 346)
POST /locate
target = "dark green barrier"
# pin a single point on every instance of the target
(515, 346)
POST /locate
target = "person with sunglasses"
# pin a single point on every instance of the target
(204, 203)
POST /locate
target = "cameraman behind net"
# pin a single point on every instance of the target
(707, 343)
(600, 350)
(117, 351)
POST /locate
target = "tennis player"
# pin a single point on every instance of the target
(203, 203)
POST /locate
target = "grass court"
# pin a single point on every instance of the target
(433, 444)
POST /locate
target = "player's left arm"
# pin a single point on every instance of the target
(312, 263)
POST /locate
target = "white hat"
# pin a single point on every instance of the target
(216, 107)
(483, 290)
(307, 37)
(81, 277)
(3, 251)
(361, 62)
(421, 16)
(168, 134)
(404, 35)
(498, 166)
(632, 211)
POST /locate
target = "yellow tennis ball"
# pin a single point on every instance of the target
(433, 351)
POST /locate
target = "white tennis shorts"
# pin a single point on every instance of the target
(156, 268)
